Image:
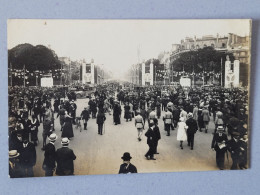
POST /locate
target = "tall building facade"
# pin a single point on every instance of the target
(232, 43)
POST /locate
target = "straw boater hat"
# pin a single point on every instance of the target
(53, 137)
(220, 128)
(13, 154)
(126, 156)
(65, 141)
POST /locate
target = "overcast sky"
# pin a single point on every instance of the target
(115, 43)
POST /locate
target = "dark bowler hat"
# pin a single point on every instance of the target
(126, 156)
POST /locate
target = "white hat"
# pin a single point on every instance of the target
(220, 128)
(190, 115)
(65, 141)
(52, 137)
(13, 154)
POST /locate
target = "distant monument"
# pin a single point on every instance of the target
(231, 74)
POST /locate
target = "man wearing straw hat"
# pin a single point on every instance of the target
(64, 158)
(14, 168)
(49, 163)
(219, 145)
(236, 150)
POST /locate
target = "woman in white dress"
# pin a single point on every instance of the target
(181, 132)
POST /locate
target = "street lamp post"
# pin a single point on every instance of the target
(164, 74)
(11, 74)
(221, 74)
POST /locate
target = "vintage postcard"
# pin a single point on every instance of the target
(127, 96)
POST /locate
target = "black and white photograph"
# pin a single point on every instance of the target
(91, 97)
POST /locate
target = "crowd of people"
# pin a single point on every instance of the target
(186, 110)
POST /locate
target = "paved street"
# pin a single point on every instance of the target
(98, 154)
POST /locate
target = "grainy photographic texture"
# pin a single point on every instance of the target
(127, 96)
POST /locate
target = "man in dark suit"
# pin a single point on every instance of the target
(27, 126)
(27, 158)
(219, 145)
(157, 135)
(14, 165)
(100, 120)
(150, 141)
(192, 129)
(49, 162)
(236, 150)
(93, 107)
(117, 113)
(47, 130)
(16, 141)
(72, 111)
(85, 116)
(64, 158)
(127, 167)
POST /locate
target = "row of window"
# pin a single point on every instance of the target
(198, 47)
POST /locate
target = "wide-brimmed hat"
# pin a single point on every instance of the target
(220, 128)
(13, 154)
(53, 137)
(126, 156)
(65, 141)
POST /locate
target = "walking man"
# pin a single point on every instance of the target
(236, 150)
(65, 157)
(85, 116)
(219, 145)
(27, 158)
(157, 135)
(49, 162)
(100, 121)
(192, 129)
(150, 141)
(139, 124)
(47, 130)
(168, 120)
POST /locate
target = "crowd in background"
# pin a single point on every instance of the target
(186, 110)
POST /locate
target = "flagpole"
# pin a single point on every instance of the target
(155, 75)
(164, 74)
(221, 74)
(11, 74)
(24, 75)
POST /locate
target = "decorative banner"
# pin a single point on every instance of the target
(147, 77)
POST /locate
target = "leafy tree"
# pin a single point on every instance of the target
(33, 58)
(206, 59)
